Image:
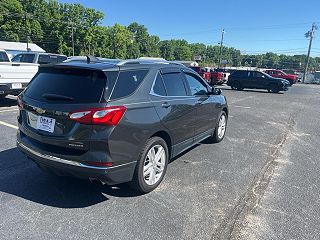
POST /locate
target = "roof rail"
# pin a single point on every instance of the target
(147, 61)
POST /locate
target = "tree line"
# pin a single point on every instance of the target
(62, 28)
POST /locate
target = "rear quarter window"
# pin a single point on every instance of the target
(127, 83)
(158, 87)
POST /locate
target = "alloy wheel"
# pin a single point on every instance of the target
(222, 126)
(154, 164)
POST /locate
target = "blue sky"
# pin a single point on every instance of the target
(252, 26)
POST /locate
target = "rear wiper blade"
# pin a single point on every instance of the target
(50, 96)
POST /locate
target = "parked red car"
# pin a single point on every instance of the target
(281, 74)
(221, 75)
(202, 72)
(209, 75)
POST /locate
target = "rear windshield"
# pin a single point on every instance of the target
(80, 85)
(3, 57)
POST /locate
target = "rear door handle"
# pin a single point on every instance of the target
(165, 105)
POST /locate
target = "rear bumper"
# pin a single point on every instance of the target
(217, 81)
(65, 167)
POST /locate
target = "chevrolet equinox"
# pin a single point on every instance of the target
(117, 122)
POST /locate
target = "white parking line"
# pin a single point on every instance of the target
(241, 107)
(9, 110)
(8, 125)
(242, 99)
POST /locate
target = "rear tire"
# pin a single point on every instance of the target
(151, 166)
(236, 86)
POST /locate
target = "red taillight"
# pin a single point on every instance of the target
(100, 116)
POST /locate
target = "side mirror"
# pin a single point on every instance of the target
(215, 91)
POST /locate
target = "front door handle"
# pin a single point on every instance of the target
(165, 105)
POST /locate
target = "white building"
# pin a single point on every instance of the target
(12, 48)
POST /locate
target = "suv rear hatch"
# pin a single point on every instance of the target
(48, 103)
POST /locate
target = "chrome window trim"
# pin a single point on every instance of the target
(160, 101)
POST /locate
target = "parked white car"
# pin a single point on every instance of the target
(14, 77)
(39, 58)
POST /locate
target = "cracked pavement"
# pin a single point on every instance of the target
(261, 182)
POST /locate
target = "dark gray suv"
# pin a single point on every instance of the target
(117, 122)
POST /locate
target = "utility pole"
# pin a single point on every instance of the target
(25, 30)
(72, 35)
(72, 38)
(309, 34)
(221, 43)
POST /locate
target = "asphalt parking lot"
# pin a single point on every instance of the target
(261, 182)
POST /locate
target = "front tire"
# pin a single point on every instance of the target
(152, 165)
(220, 128)
(273, 88)
(290, 81)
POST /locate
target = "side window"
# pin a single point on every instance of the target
(259, 75)
(195, 85)
(174, 84)
(3, 57)
(158, 87)
(127, 83)
(17, 58)
(44, 59)
(27, 58)
(239, 74)
(61, 59)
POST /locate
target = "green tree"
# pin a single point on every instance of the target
(120, 39)
(11, 25)
(166, 50)
(141, 37)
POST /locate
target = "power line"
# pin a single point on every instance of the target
(239, 28)
(269, 40)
